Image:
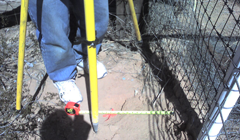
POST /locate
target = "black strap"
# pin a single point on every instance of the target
(80, 40)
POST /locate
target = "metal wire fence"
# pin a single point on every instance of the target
(192, 54)
(197, 41)
(192, 48)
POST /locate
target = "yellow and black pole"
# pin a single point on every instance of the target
(135, 22)
(92, 59)
(21, 51)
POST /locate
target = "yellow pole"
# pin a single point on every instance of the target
(21, 51)
(135, 22)
(92, 59)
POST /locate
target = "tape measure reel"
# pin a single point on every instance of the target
(72, 108)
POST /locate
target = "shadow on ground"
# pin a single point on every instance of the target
(59, 126)
(185, 122)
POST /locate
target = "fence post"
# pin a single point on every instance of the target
(227, 97)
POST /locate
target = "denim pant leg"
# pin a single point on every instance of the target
(101, 24)
(52, 20)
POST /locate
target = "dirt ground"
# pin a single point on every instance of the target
(124, 88)
(121, 89)
(129, 86)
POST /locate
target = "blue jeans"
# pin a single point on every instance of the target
(58, 23)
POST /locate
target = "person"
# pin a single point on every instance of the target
(60, 24)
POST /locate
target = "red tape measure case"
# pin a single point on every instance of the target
(72, 108)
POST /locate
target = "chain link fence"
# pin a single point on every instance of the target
(192, 63)
(191, 47)
(195, 43)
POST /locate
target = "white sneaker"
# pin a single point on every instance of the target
(68, 91)
(101, 70)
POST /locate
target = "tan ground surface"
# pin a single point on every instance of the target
(120, 90)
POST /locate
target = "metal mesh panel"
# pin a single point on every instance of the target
(197, 41)
(189, 46)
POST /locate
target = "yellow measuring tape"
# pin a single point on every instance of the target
(132, 112)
